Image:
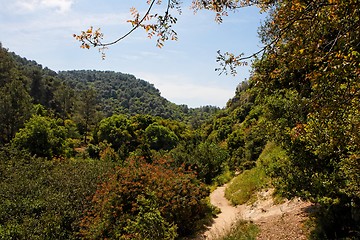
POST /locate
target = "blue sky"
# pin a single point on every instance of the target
(183, 70)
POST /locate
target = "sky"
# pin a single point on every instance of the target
(183, 70)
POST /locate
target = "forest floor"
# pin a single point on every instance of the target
(275, 221)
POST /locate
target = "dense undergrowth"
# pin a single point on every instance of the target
(42, 199)
(91, 199)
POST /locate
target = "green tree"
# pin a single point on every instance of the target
(41, 136)
(15, 108)
(118, 131)
(65, 99)
(310, 73)
(7, 64)
(36, 87)
(160, 137)
(86, 109)
(207, 160)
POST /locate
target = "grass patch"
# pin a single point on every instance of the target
(222, 179)
(243, 187)
(242, 230)
(272, 157)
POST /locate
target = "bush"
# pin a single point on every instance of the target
(166, 198)
(208, 160)
(93, 151)
(224, 177)
(109, 154)
(246, 143)
(148, 223)
(45, 199)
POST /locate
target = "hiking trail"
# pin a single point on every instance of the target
(275, 221)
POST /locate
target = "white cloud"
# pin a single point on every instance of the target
(72, 22)
(61, 6)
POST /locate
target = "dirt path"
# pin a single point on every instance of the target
(229, 214)
(281, 221)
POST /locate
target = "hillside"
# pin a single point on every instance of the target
(120, 93)
(115, 92)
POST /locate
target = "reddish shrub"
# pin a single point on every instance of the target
(178, 197)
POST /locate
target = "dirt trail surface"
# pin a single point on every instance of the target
(280, 221)
(229, 214)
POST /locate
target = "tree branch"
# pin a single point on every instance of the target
(133, 29)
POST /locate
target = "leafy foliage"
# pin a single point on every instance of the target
(160, 23)
(15, 101)
(207, 160)
(240, 128)
(172, 199)
(15, 109)
(309, 76)
(160, 137)
(45, 199)
(118, 132)
(149, 224)
(140, 134)
(41, 136)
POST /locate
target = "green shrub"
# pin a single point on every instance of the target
(109, 154)
(224, 177)
(93, 151)
(118, 131)
(45, 199)
(148, 223)
(244, 186)
(272, 157)
(208, 160)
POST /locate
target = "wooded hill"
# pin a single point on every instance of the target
(107, 92)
